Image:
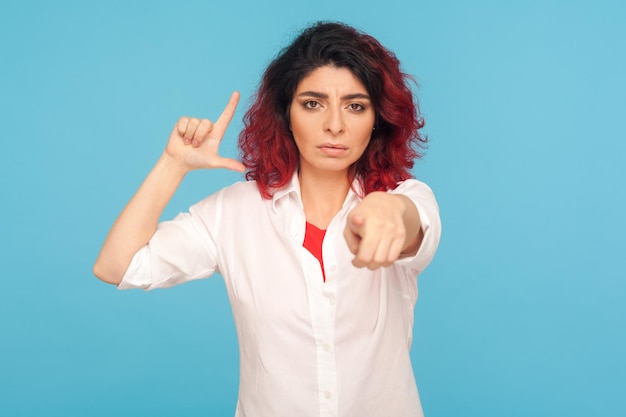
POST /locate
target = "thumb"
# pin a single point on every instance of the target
(231, 164)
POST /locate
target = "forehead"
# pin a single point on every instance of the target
(330, 78)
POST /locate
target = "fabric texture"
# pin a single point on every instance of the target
(307, 347)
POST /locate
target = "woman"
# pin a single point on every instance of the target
(321, 248)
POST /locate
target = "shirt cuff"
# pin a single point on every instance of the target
(423, 198)
(132, 277)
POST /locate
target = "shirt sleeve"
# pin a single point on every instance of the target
(181, 250)
(424, 199)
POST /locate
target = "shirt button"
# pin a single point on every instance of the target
(327, 394)
(332, 300)
(326, 347)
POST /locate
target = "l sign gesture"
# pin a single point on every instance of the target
(195, 142)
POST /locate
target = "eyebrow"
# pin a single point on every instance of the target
(325, 96)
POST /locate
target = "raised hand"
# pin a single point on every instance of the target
(195, 142)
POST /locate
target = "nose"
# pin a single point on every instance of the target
(333, 123)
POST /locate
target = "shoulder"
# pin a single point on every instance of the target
(247, 190)
(413, 186)
(243, 193)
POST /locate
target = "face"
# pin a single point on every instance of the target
(332, 118)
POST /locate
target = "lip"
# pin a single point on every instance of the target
(332, 145)
(332, 149)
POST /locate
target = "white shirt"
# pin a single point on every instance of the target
(307, 347)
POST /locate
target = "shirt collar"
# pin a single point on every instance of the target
(293, 188)
(354, 193)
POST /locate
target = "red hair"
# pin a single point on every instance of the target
(267, 148)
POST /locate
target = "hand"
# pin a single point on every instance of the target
(195, 142)
(376, 232)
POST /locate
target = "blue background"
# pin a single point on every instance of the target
(522, 312)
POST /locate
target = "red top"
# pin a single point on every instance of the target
(313, 239)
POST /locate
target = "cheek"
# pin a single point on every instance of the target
(298, 134)
(366, 127)
(365, 133)
(297, 124)
(364, 147)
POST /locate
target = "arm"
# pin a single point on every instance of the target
(193, 144)
(382, 228)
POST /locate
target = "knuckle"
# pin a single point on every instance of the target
(386, 226)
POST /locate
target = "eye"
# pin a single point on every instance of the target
(356, 107)
(311, 104)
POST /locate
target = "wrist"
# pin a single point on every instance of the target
(171, 167)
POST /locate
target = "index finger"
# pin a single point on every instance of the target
(227, 115)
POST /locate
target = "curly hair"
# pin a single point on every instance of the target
(267, 147)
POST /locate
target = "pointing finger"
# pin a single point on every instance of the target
(355, 223)
(352, 240)
(353, 232)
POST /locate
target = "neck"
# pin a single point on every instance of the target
(323, 195)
